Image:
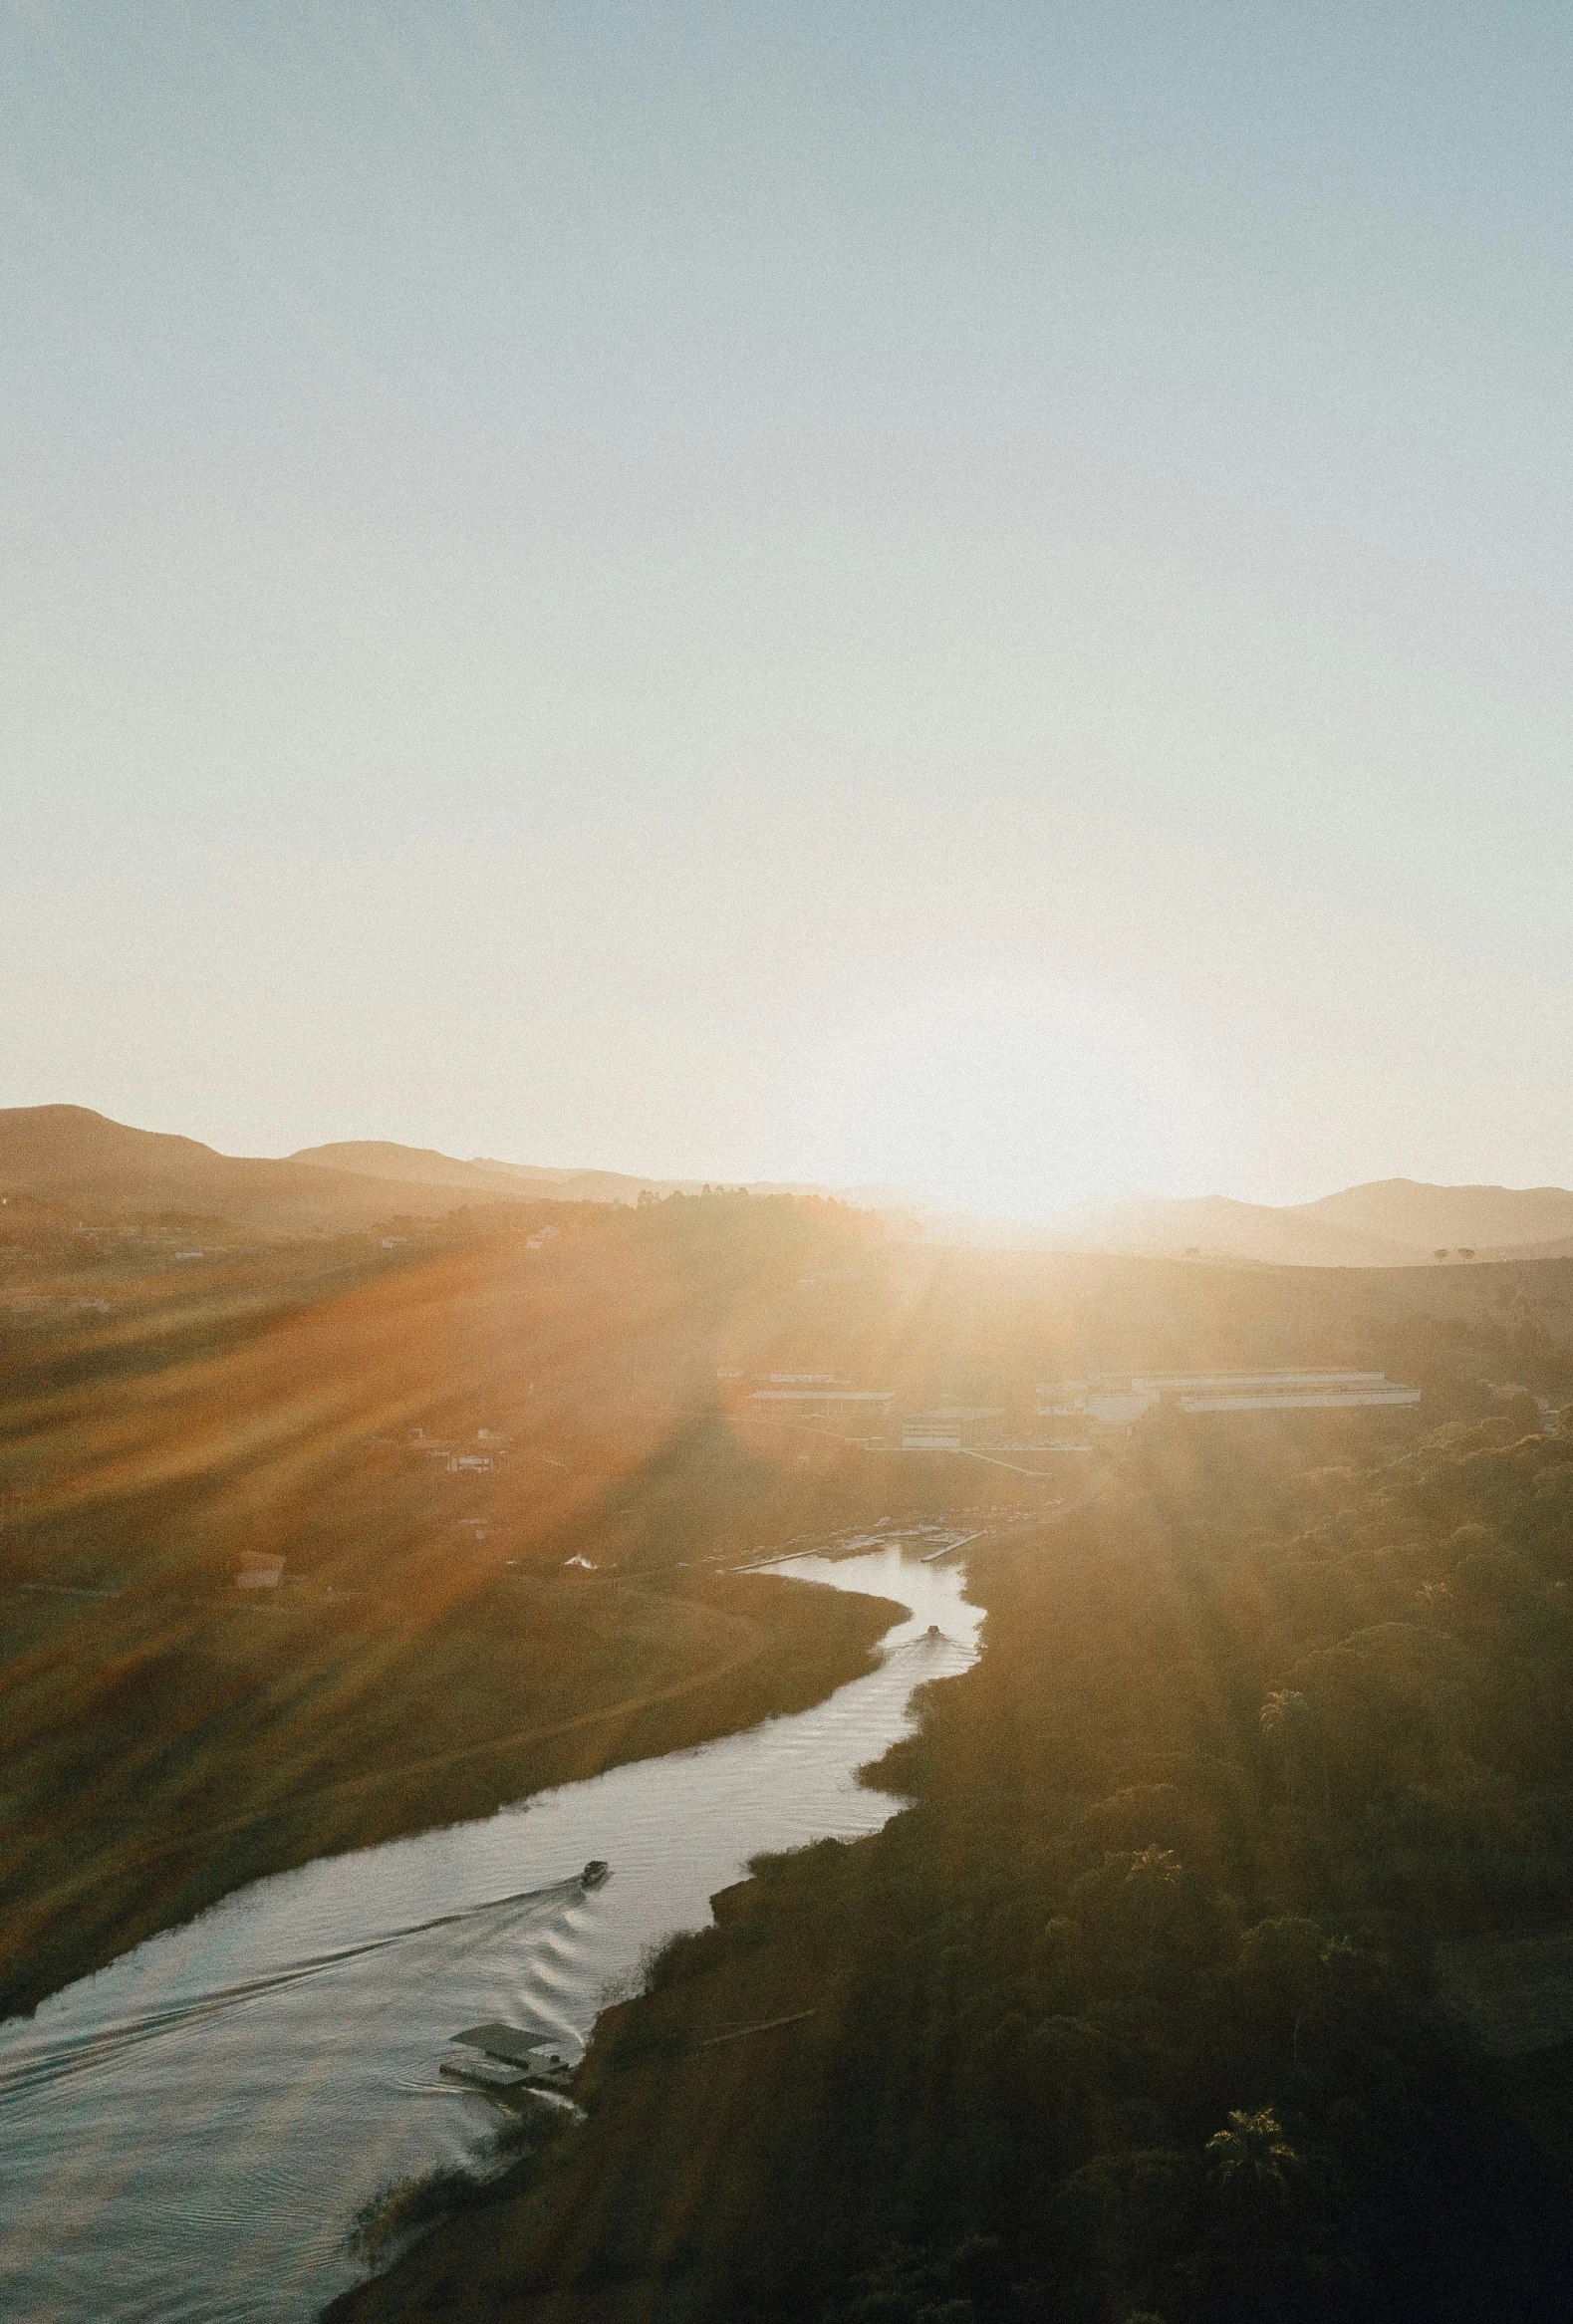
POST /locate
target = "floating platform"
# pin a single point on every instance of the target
(532, 2055)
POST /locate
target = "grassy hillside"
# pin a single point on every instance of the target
(430, 1651)
(70, 1156)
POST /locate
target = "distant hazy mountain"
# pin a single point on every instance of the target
(1393, 1222)
(482, 1177)
(1220, 1227)
(1427, 1217)
(70, 1154)
(375, 1158)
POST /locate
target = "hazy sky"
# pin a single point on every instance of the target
(974, 596)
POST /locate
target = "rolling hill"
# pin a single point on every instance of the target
(1432, 1217)
(68, 1153)
(517, 1181)
(1392, 1223)
(481, 1178)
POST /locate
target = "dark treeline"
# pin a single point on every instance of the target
(1133, 2014)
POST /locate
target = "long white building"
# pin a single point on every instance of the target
(851, 1406)
(1117, 1400)
(952, 1428)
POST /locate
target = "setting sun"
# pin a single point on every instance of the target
(1032, 1105)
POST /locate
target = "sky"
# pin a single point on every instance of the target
(972, 598)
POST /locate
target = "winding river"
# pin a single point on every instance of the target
(186, 2136)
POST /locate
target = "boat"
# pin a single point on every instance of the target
(509, 2057)
(596, 1872)
(482, 2073)
(933, 1630)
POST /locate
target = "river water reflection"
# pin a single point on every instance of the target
(189, 2134)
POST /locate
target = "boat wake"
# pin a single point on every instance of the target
(101, 2045)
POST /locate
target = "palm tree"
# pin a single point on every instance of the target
(1252, 2154)
(1154, 1865)
(1282, 1723)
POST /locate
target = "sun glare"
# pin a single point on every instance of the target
(1008, 1103)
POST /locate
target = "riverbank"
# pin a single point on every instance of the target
(532, 1683)
(587, 2225)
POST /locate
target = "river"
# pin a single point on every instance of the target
(186, 2136)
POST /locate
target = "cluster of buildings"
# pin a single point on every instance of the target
(954, 1429)
(258, 1571)
(822, 1396)
(1079, 1412)
(489, 1451)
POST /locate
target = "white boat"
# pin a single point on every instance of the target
(482, 2073)
(595, 1873)
(508, 2056)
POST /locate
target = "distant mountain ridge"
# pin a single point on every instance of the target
(1390, 1222)
(1408, 1211)
(375, 1158)
(70, 1153)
